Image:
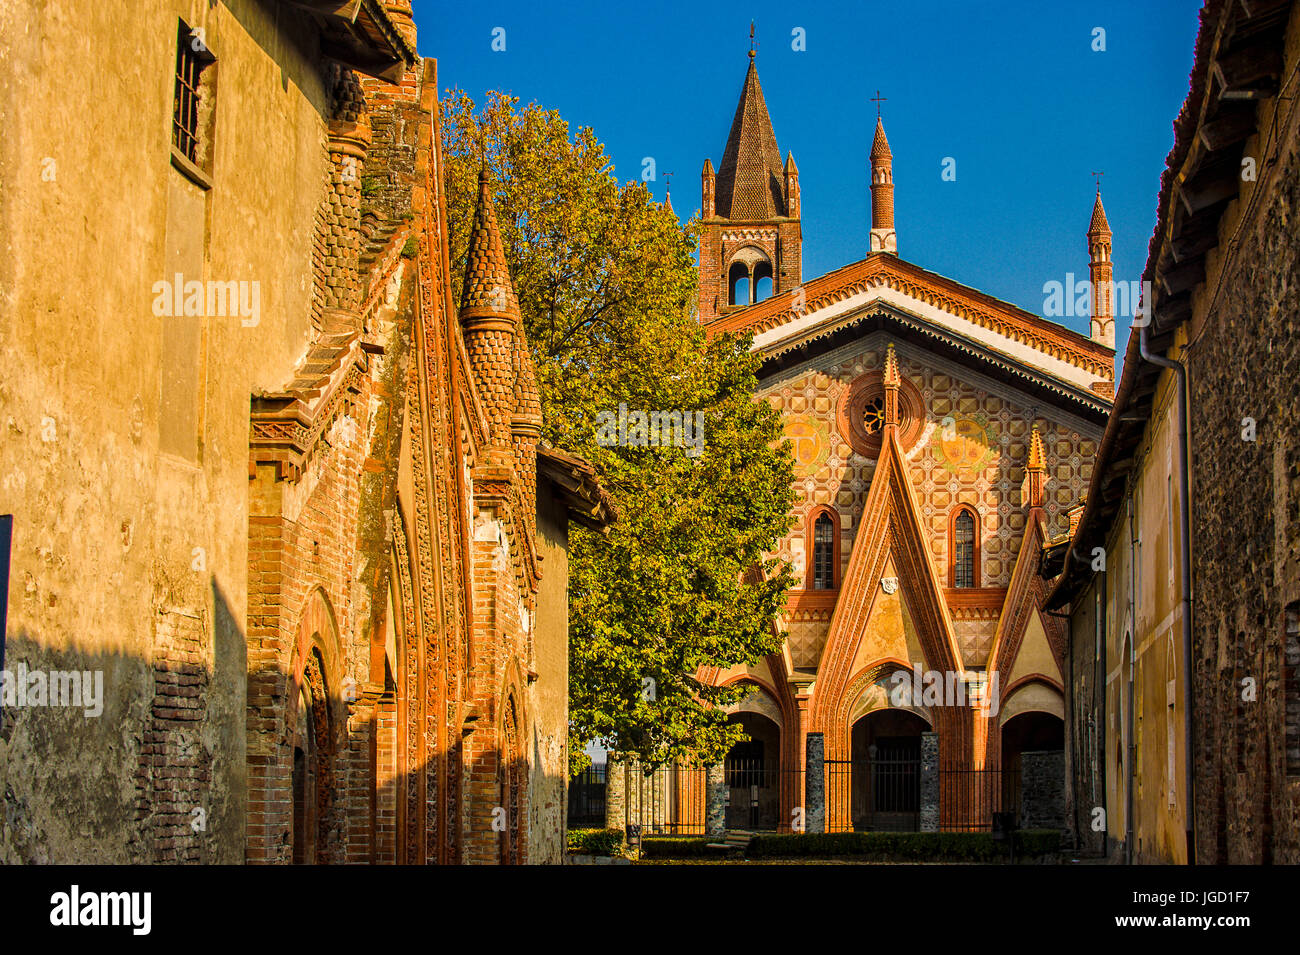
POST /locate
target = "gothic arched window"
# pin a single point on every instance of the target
(823, 553)
(738, 281)
(762, 281)
(965, 550)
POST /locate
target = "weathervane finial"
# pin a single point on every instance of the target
(753, 46)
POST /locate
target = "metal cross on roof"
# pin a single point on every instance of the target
(878, 99)
(1096, 176)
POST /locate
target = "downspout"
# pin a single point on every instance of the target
(1130, 664)
(1185, 529)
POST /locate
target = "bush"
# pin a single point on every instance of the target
(904, 846)
(595, 842)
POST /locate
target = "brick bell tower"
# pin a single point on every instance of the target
(750, 233)
(1100, 273)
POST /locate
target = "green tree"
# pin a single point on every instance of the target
(605, 278)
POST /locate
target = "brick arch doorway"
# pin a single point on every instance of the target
(885, 748)
(512, 781)
(753, 774)
(1035, 732)
(311, 768)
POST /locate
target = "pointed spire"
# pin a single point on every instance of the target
(707, 190)
(1100, 274)
(880, 145)
(489, 315)
(1036, 469)
(892, 379)
(1098, 225)
(791, 187)
(1037, 456)
(883, 236)
(750, 177)
(487, 289)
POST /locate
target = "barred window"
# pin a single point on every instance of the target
(192, 58)
(745, 765)
(963, 568)
(824, 553)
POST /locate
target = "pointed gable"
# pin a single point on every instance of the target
(890, 535)
(749, 181)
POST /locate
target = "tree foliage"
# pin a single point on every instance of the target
(605, 278)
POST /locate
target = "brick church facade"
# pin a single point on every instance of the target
(309, 538)
(941, 439)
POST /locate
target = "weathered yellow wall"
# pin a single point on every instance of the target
(112, 536)
(1148, 568)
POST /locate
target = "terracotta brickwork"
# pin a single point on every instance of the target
(899, 424)
(750, 210)
(978, 458)
(325, 636)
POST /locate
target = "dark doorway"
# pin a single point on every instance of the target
(1028, 732)
(886, 783)
(753, 775)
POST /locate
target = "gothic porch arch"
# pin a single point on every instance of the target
(314, 720)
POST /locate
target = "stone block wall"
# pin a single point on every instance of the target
(1246, 511)
(1042, 790)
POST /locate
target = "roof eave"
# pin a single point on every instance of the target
(362, 36)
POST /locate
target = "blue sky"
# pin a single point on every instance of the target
(1013, 92)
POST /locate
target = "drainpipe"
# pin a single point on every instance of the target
(1130, 723)
(1185, 528)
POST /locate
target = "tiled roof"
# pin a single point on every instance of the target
(750, 181)
(487, 278)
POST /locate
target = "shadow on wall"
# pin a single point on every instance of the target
(106, 757)
(109, 758)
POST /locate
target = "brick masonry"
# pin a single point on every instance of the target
(1246, 524)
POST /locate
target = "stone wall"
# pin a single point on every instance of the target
(1246, 516)
(1042, 790)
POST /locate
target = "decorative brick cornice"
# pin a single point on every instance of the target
(287, 429)
(749, 235)
(975, 598)
(888, 271)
